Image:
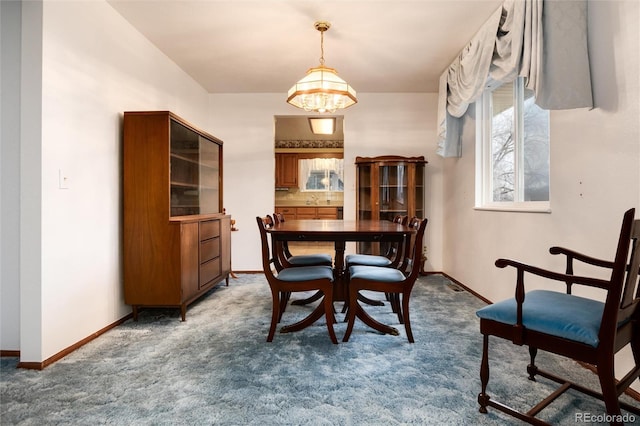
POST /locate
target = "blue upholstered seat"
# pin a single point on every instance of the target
(310, 259)
(558, 314)
(367, 259)
(306, 273)
(376, 273)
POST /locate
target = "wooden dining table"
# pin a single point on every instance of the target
(339, 232)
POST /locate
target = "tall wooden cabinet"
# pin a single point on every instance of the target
(388, 186)
(177, 240)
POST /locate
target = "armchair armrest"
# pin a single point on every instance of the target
(576, 279)
(571, 254)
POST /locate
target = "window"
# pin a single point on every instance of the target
(321, 174)
(512, 157)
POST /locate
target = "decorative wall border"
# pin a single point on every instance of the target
(309, 144)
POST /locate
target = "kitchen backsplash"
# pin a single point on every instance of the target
(295, 197)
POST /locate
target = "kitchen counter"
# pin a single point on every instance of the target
(302, 204)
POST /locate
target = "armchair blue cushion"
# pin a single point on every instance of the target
(558, 314)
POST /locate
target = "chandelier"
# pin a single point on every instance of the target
(321, 90)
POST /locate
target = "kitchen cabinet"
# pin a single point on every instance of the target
(177, 239)
(308, 212)
(286, 170)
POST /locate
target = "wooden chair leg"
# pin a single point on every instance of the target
(275, 315)
(284, 299)
(330, 317)
(532, 369)
(483, 398)
(606, 375)
(351, 313)
(395, 306)
(405, 315)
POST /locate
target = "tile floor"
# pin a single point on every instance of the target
(311, 247)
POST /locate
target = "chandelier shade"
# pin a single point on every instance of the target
(321, 89)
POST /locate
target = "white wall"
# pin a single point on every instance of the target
(595, 172)
(94, 67)
(10, 30)
(380, 124)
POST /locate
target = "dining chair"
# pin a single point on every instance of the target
(287, 259)
(392, 258)
(394, 281)
(585, 330)
(284, 281)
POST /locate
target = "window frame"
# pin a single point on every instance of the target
(484, 166)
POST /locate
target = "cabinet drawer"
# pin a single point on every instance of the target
(209, 270)
(288, 212)
(209, 249)
(327, 212)
(306, 211)
(209, 229)
(306, 217)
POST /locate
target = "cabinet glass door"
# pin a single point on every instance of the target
(365, 201)
(419, 192)
(195, 173)
(209, 176)
(393, 191)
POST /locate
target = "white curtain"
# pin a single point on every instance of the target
(305, 167)
(549, 50)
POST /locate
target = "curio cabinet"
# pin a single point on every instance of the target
(388, 186)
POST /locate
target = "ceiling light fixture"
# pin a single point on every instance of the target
(321, 90)
(323, 126)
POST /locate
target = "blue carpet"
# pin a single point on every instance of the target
(217, 369)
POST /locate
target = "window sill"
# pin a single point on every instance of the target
(532, 207)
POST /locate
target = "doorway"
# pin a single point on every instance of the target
(309, 172)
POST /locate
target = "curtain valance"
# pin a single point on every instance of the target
(548, 48)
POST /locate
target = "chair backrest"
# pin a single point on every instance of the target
(401, 219)
(411, 264)
(278, 217)
(268, 254)
(283, 251)
(623, 297)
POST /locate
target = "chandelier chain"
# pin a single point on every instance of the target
(322, 48)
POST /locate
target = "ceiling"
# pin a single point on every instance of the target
(265, 46)
(296, 127)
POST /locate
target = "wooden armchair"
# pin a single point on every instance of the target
(585, 330)
(394, 281)
(284, 281)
